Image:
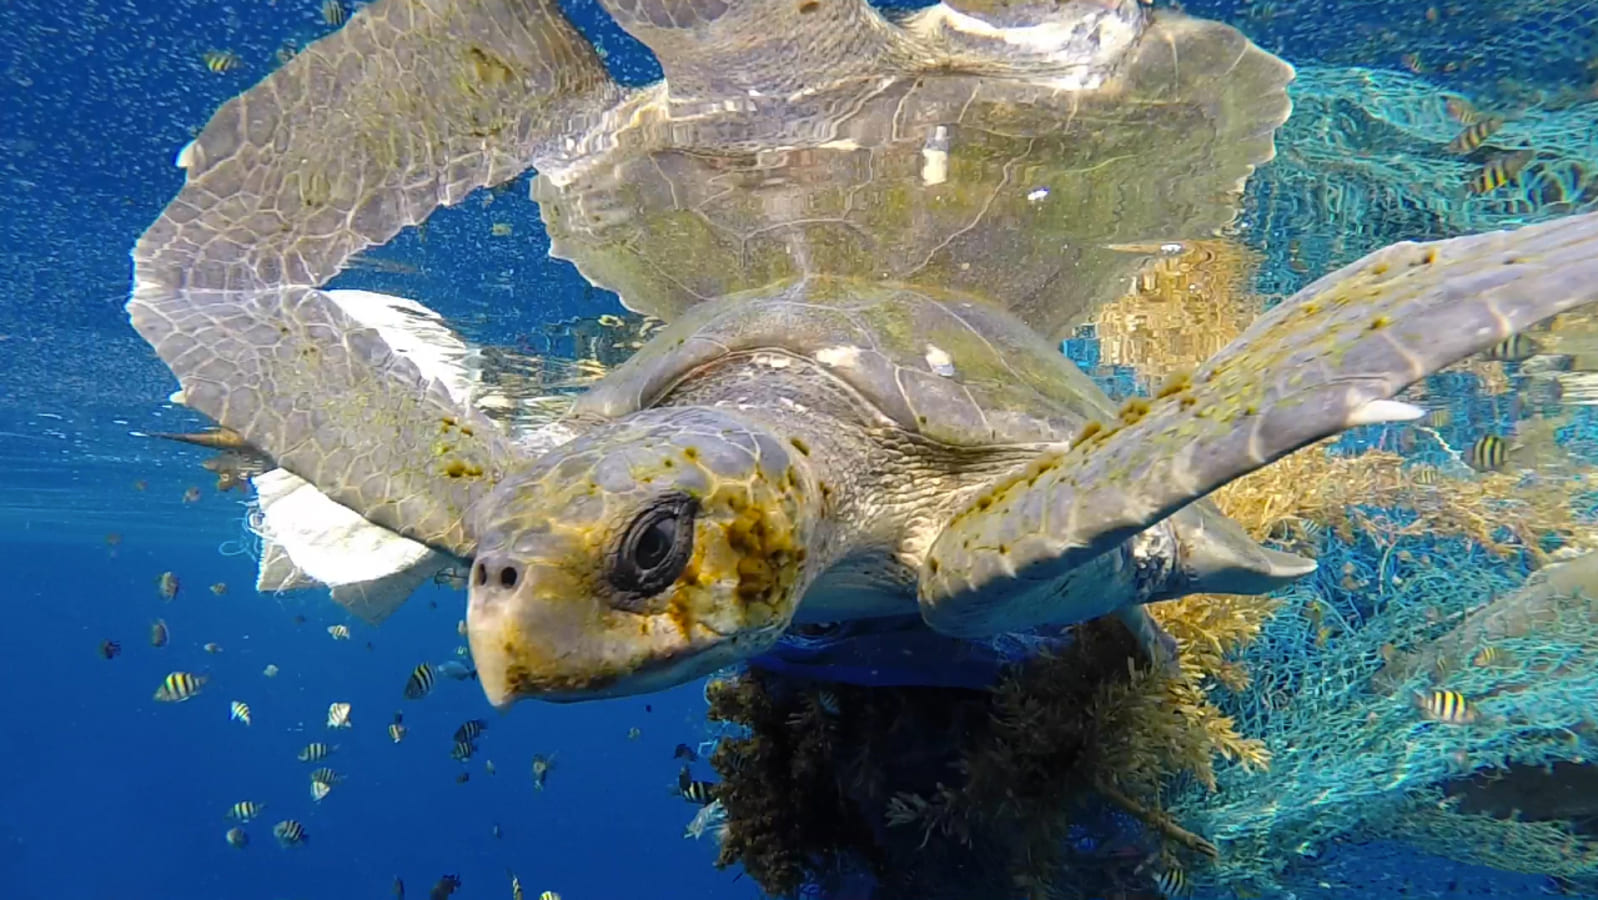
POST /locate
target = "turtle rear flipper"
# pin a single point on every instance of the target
(1328, 358)
(409, 106)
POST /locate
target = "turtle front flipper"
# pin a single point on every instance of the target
(409, 106)
(1070, 538)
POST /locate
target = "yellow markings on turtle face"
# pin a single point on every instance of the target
(488, 68)
(1378, 323)
(456, 468)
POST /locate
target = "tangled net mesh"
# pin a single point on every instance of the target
(1368, 149)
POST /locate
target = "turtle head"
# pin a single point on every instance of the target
(648, 552)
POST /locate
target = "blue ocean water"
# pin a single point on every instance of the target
(110, 794)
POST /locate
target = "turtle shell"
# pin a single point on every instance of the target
(950, 369)
(1037, 191)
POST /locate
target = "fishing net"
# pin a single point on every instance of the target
(1367, 150)
(1526, 52)
(1332, 696)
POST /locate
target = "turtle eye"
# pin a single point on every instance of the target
(656, 547)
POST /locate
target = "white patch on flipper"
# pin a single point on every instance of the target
(415, 332)
(371, 569)
(277, 571)
(1376, 412)
(185, 157)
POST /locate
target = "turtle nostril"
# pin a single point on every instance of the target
(481, 575)
(507, 577)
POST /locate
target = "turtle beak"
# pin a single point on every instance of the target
(540, 633)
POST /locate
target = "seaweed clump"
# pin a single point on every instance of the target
(940, 792)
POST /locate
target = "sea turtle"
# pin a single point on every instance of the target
(868, 237)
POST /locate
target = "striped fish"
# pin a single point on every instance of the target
(316, 751)
(396, 732)
(1515, 348)
(220, 61)
(1488, 454)
(239, 711)
(1474, 134)
(462, 751)
(338, 715)
(1489, 657)
(1500, 170)
(320, 789)
(179, 686)
(420, 682)
(700, 792)
(245, 810)
(334, 13)
(1462, 111)
(1172, 883)
(1448, 707)
(290, 832)
(470, 730)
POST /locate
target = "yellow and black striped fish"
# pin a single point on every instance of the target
(339, 632)
(319, 790)
(290, 832)
(396, 732)
(1474, 134)
(470, 730)
(239, 711)
(316, 751)
(179, 686)
(462, 751)
(1449, 707)
(1500, 170)
(420, 682)
(1172, 883)
(338, 715)
(1440, 417)
(1515, 348)
(700, 792)
(1489, 657)
(1488, 454)
(516, 888)
(245, 810)
(1425, 475)
(334, 12)
(326, 776)
(1461, 110)
(220, 61)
